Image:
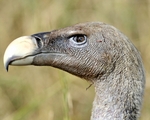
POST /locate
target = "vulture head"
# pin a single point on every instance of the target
(96, 52)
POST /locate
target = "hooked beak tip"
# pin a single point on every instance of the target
(7, 68)
(6, 65)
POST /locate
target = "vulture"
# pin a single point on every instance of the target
(94, 51)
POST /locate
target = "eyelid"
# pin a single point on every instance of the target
(74, 35)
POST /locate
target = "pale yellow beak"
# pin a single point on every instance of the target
(20, 51)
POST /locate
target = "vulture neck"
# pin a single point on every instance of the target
(106, 106)
(118, 96)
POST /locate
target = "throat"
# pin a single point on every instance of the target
(107, 106)
(116, 100)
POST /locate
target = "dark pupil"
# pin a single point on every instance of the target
(79, 38)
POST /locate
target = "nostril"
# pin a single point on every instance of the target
(38, 41)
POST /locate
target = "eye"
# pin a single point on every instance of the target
(78, 40)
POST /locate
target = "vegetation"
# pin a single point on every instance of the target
(46, 93)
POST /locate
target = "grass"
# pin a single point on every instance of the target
(45, 93)
(65, 92)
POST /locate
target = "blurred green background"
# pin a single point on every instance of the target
(46, 93)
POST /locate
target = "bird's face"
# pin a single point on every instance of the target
(80, 50)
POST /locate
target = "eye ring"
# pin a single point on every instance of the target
(78, 40)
